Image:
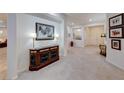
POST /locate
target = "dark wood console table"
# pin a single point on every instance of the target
(40, 58)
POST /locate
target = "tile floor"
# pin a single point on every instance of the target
(3, 63)
(79, 64)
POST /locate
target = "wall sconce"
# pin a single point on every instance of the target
(33, 36)
(1, 32)
(56, 36)
(103, 35)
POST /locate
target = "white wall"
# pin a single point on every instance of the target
(69, 36)
(77, 43)
(115, 57)
(11, 47)
(26, 26)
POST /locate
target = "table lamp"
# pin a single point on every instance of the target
(56, 36)
(33, 36)
(1, 32)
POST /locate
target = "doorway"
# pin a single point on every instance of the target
(93, 35)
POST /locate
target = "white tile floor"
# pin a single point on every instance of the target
(3, 63)
(81, 63)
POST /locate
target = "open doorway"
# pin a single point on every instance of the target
(93, 35)
(95, 38)
(75, 37)
(3, 46)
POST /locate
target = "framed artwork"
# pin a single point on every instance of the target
(116, 20)
(77, 34)
(116, 44)
(44, 32)
(116, 32)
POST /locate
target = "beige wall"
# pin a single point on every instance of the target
(93, 35)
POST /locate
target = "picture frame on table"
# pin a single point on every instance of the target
(116, 32)
(44, 32)
(116, 20)
(116, 44)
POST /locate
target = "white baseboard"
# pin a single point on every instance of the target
(13, 78)
(22, 70)
(115, 65)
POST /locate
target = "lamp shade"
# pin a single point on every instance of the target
(1, 32)
(33, 35)
(103, 35)
(56, 36)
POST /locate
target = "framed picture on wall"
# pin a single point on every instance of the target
(44, 32)
(116, 20)
(77, 34)
(116, 44)
(116, 32)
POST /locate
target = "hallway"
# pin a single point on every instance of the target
(80, 64)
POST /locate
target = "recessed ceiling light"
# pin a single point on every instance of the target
(1, 32)
(90, 20)
(78, 30)
(53, 14)
(72, 23)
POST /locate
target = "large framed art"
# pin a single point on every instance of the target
(116, 20)
(116, 44)
(77, 34)
(116, 32)
(44, 32)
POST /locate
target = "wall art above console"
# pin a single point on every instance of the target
(116, 20)
(44, 32)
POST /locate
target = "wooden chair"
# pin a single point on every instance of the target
(102, 50)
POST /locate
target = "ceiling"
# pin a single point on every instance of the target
(76, 18)
(86, 18)
(48, 16)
